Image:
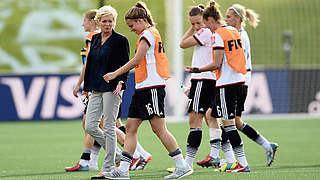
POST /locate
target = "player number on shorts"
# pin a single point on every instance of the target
(189, 103)
(149, 109)
(218, 111)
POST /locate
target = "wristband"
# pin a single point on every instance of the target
(196, 70)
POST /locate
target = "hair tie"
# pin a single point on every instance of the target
(236, 11)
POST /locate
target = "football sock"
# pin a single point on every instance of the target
(226, 147)
(123, 129)
(249, 131)
(236, 143)
(126, 160)
(255, 136)
(142, 151)
(96, 148)
(239, 151)
(263, 142)
(228, 152)
(193, 143)
(215, 141)
(136, 154)
(178, 158)
(85, 157)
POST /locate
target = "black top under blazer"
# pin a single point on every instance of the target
(101, 60)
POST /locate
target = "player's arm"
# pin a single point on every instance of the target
(81, 77)
(80, 80)
(188, 39)
(135, 61)
(218, 57)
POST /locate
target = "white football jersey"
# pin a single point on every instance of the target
(202, 54)
(247, 53)
(228, 75)
(153, 79)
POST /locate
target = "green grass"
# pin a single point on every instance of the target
(40, 150)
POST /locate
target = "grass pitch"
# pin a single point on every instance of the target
(40, 150)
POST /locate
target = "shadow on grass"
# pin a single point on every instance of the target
(286, 166)
(32, 174)
(298, 166)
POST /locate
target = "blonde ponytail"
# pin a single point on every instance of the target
(253, 18)
(245, 14)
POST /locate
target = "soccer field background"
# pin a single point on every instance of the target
(40, 150)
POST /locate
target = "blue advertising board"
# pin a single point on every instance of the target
(45, 97)
(49, 96)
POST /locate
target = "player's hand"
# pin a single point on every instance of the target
(75, 91)
(109, 76)
(190, 69)
(118, 88)
(86, 93)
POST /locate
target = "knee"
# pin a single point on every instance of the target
(130, 129)
(158, 130)
(195, 120)
(90, 128)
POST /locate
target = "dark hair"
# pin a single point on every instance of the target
(196, 10)
(140, 11)
(212, 11)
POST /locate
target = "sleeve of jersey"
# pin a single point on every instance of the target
(203, 36)
(89, 38)
(218, 42)
(148, 36)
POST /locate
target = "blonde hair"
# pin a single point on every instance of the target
(90, 14)
(106, 10)
(245, 14)
(140, 11)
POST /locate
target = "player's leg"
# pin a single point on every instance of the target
(136, 155)
(122, 172)
(87, 146)
(140, 157)
(215, 138)
(155, 112)
(226, 147)
(228, 99)
(250, 132)
(198, 104)
(194, 137)
(83, 164)
(213, 158)
(94, 156)
(146, 155)
(169, 142)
